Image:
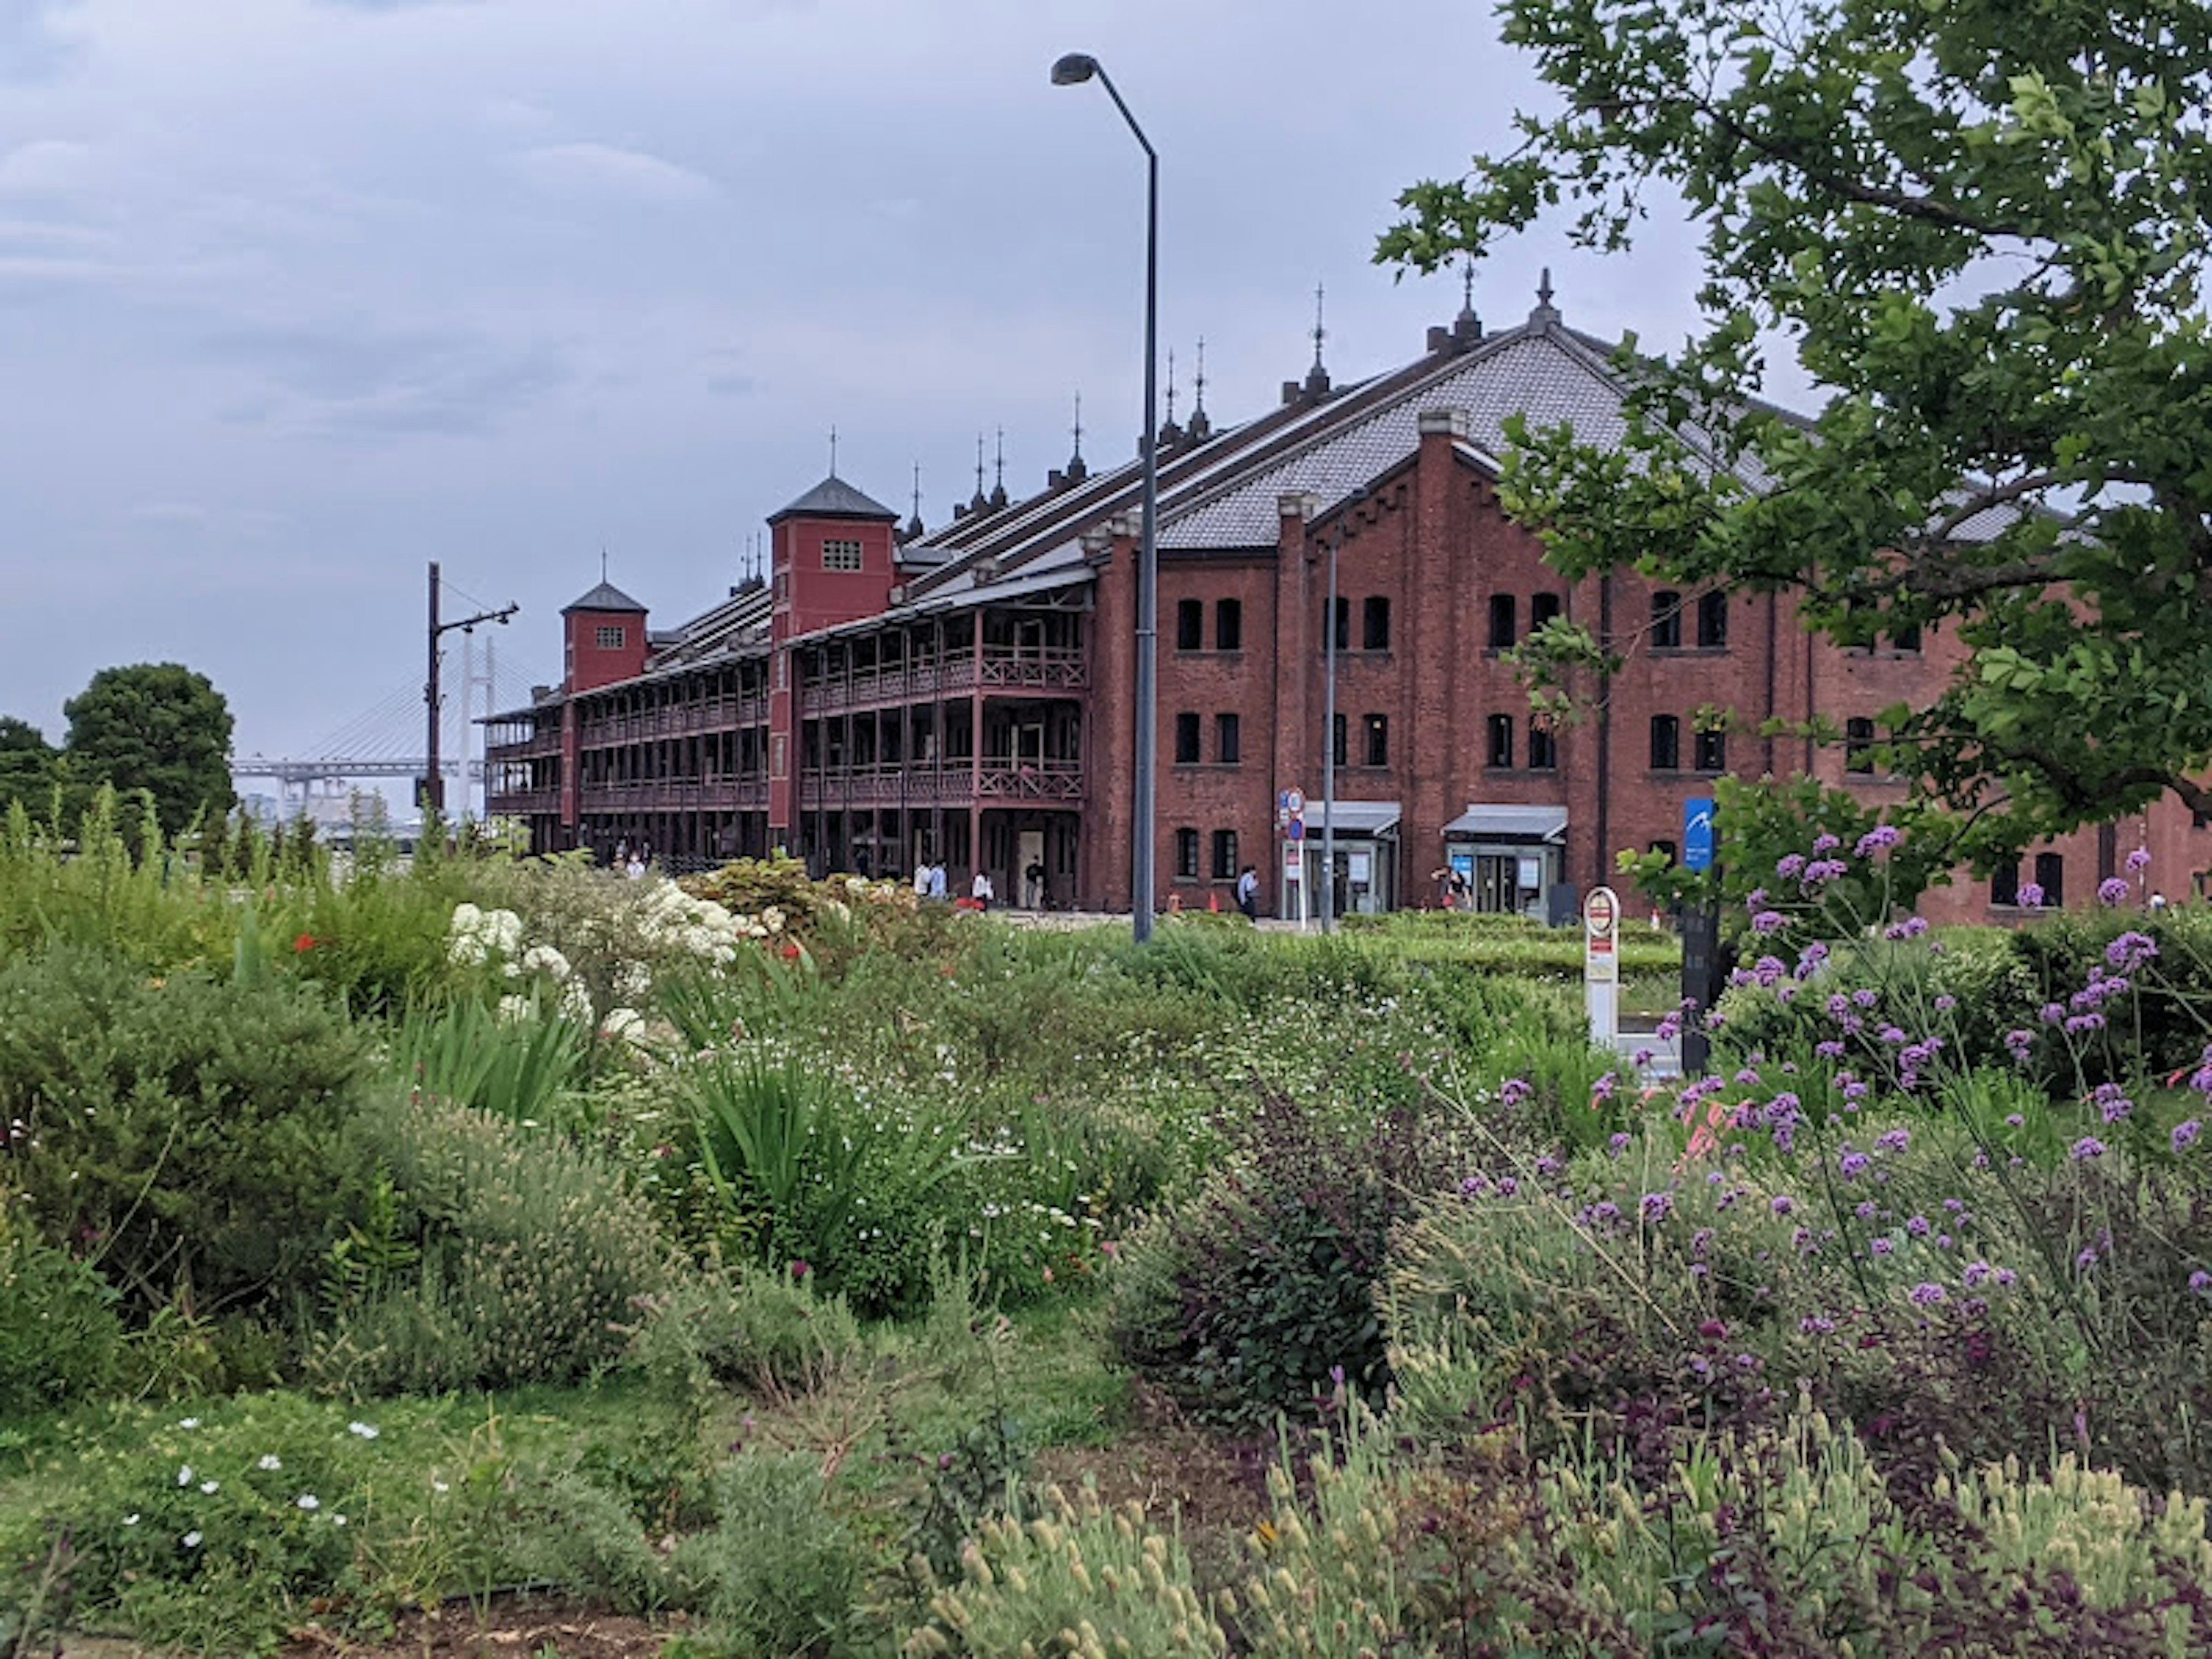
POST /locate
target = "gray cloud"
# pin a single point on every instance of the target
(346, 379)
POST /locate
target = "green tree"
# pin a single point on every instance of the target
(29, 766)
(1981, 225)
(154, 727)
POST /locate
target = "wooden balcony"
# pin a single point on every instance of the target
(680, 720)
(954, 783)
(540, 744)
(676, 795)
(1055, 670)
(525, 803)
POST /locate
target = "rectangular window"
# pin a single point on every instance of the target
(839, 554)
(1190, 624)
(1375, 634)
(1502, 621)
(1666, 743)
(1228, 625)
(2051, 877)
(1712, 622)
(1185, 739)
(2004, 883)
(611, 639)
(1501, 742)
(1376, 732)
(1227, 746)
(1187, 855)
(1665, 620)
(1859, 746)
(1224, 856)
(1542, 608)
(1543, 749)
(1712, 752)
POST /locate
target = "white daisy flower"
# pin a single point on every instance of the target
(309, 1501)
(269, 1460)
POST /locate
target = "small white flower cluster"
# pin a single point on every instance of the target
(701, 927)
(476, 935)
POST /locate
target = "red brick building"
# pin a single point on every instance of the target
(965, 696)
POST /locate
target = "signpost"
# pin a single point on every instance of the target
(1290, 817)
(1702, 968)
(1602, 964)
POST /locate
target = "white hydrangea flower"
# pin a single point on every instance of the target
(772, 918)
(512, 1010)
(633, 983)
(546, 960)
(576, 1002)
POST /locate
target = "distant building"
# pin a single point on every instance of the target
(965, 696)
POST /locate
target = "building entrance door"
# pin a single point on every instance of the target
(1031, 869)
(1497, 884)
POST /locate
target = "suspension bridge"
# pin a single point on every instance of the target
(388, 739)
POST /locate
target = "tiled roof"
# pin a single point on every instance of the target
(833, 498)
(1544, 373)
(605, 597)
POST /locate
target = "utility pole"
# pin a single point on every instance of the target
(433, 790)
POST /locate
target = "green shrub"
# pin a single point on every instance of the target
(1257, 1293)
(60, 1340)
(778, 1572)
(213, 1535)
(749, 1327)
(814, 1178)
(184, 1129)
(509, 1256)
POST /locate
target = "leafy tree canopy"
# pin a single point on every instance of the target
(30, 765)
(1981, 225)
(156, 726)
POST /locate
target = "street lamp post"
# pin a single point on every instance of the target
(1074, 68)
(1328, 910)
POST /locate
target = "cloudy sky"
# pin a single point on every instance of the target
(298, 294)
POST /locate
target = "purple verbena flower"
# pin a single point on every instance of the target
(1656, 1207)
(2113, 890)
(2185, 1133)
(1769, 921)
(1853, 1165)
(2139, 860)
(1881, 835)
(1790, 867)
(2030, 895)
(2085, 1148)
(1824, 842)
(2131, 950)
(1927, 1294)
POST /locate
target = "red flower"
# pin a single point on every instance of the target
(791, 951)
(304, 944)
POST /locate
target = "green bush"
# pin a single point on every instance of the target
(525, 1070)
(1256, 1294)
(502, 1256)
(749, 1327)
(213, 1535)
(779, 1572)
(184, 1129)
(59, 1337)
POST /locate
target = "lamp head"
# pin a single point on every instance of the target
(1075, 66)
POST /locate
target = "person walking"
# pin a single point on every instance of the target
(982, 891)
(1033, 879)
(921, 880)
(1247, 893)
(937, 880)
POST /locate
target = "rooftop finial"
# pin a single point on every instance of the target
(1467, 288)
(1200, 428)
(980, 500)
(1170, 385)
(833, 452)
(1545, 312)
(999, 479)
(1316, 385)
(914, 525)
(1077, 471)
(603, 563)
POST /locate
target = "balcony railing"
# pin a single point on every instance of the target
(679, 720)
(957, 782)
(525, 803)
(675, 795)
(1057, 668)
(538, 745)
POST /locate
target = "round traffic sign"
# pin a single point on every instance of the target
(1295, 801)
(1600, 910)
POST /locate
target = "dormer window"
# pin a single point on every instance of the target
(840, 554)
(611, 639)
